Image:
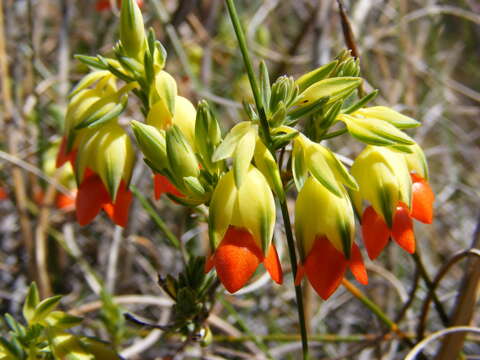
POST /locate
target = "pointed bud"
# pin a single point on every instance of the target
(181, 158)
(152, 144)
(387, 114)
(207, 134)
(132, 30)
(334, 88)
(374, 131)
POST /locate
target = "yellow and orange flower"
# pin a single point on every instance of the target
(395, 185)
(324, 228)
(241, 229)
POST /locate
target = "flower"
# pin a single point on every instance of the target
(396, 194)
(241, 226)
(93, 196)
(103, 168)
(324, 228)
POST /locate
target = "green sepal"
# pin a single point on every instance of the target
(87, 81)
(229, 143)
(321, 171)
(299, 165)
(165, 90)
(243, 154)
(194, 186)
(339, 169)
(104, 110)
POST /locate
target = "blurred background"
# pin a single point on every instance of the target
(424, 58)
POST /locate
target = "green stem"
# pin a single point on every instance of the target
(293, 262)
(250, 72)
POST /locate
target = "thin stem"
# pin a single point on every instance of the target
(293, 262)
(249, 67)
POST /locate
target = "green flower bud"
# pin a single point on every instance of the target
(152, 144)
(181, 158)
(132, 30)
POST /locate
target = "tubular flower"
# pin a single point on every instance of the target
(395, 195)
(103, 169)
(324, 228)
(241, 226)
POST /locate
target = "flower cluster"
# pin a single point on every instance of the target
(239, 176)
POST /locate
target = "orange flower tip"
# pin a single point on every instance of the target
(325, 267)
(162, 185)
(209, 263)
(357, 267)
(273, 266)
(118, 211)
(375, 232)
(236, 258)
(422, 199)
(91, 196)
(299, 275)
(402, 229)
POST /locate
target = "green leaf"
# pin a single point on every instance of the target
(45, 307)
(92, 62)
(316, 75)
(31, 301)
(360, 103)
(62, 320)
